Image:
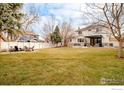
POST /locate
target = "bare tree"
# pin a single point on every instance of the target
(48, 28)
(29, 20)
(31, 17)
(110, 16)
(67, 32)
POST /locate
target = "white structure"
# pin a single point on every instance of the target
(5, 46)
(93, 36)
(28, 39)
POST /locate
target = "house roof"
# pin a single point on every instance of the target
(92, 26)
(30, 33)
(94, 36)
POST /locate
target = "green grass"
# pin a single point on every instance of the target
(62, 66)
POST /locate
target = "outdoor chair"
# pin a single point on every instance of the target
(32, 48)
(16, 48)
(29, 48)
(11, 49)
(26, 48)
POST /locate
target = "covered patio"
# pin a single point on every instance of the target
(93, 40)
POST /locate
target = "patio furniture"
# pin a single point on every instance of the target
(32, 48)
(16, 48)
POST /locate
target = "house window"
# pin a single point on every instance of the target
(97, 29)
(77, 44)
(35, 36)
(105, 44)
(80, 32)
(111, 44)
(80, 40)
(89, 29)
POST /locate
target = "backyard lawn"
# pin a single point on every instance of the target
(62, 66)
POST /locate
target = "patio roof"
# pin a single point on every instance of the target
(93, 36)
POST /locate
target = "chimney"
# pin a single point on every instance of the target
(78, 28)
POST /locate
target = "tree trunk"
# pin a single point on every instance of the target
(0, 44)
(65, 43)
(120, 49)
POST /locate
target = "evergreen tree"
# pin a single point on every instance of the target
(10, 17)
(55, 36)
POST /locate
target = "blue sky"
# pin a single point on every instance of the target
(61, 11)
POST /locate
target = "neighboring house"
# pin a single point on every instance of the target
(29, 36)
(26, 36)
(93, 36)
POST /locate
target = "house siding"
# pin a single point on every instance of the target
(107, 40)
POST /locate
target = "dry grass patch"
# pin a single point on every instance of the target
(62, 66)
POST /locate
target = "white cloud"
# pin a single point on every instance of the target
(69, 11)
(62, 12)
